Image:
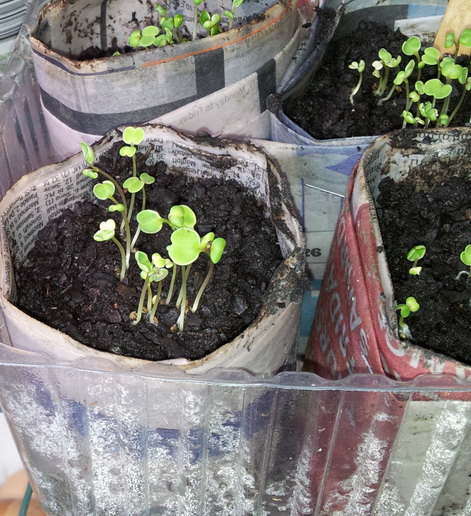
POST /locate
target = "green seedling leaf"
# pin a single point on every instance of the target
(143, 262)
(465, 38)
(146, 178)
(185, 247)
(357, 65)
(133, 135)
(161, 41)
(134, 38)
(465, 256)
(150, 221)
(229, 14)
(207, 239)
(133, 184)
(182, 216)
(177, 20)
(116, 207)
(427, 110)
(237, 3)
(90, 173)
(198, 2)
(449, 39)
(412, 46)
(450, 69)
(415, 254)
(437, 89)
(161, 262)
(384, 55)
(88, 153)
(161, 10)
(106, 232)
(431, 56)
(217, 248)
(127, 151)
(104, 190)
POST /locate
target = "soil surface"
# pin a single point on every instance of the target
(71, 281)
(324, 109)
(440, 219)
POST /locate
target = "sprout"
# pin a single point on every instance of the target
(386, 61)
(186, 244)
(196, 3)
(464, 39)
(465, 257)
(210, 22)
(107, 232)
(230, 14)
(360, 66)
(401, 77)
(414, 255)
(405, 309)
(151, 271)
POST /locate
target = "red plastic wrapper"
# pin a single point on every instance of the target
(355, 331)
(355, 327)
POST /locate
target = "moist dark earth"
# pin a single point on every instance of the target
(440, 219)
(323, 109)
(71, 282)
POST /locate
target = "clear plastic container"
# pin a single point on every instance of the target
(96, 442)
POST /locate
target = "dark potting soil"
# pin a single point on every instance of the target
(324, 109)
(440, 219)
(71, 282)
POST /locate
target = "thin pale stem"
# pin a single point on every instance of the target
(123, 258)
(203, 287)
(172, 285)
(141, 301)
(458, 105)
(156, 301)
(125, 222)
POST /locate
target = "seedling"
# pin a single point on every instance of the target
(360, 66)
(427, 102)
(230, 14)
(465, 257)
(151, 271)
(414, 255)
(184, 250)
(107, 232)
(186, 244)
(405, 309)
(196, 3)
(464, 39)
(386, 62)
(210, 22)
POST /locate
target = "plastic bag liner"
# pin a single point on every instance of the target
(85, 99)
(264, 348)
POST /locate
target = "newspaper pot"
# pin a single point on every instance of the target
(355, 330)
(50, 190)
(83, 99)
(264, 348)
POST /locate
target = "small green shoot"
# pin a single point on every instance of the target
(107, 232)
(386, 62)
(210, 22)
(230, 14)
(414, 255)
(464, 40)
(405, 309)
(186, 244)
(360, 66)
(465, 257)
(196, 4)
